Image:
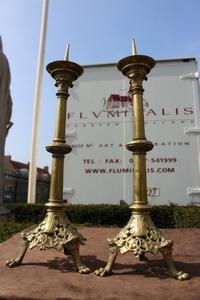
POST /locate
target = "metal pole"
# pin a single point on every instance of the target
(36, 109)
(124, 142)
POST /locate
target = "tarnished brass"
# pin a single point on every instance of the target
(56, 231)
(140, 234)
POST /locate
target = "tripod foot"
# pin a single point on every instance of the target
(82, 269)
(182, 275)
(73, 250)
(14, 262)
(167, 254)
(107, 270)
(102, 272)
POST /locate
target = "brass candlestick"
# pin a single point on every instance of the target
(140, 234)
(56, 231)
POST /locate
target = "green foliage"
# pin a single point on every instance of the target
(187, 217)
(104, 214)
(164, 216)
(7, 230)
(28, 213)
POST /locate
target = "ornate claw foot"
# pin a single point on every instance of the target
(111, 259)
(14, 262)
(103, 272)
(73, 250)
(167, 254)
(83, 269)
(182, 275)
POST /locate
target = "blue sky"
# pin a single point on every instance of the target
(99, 32)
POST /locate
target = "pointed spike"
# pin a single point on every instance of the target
(66, 57)
(134, 50)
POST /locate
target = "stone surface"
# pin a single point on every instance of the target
(51, 275)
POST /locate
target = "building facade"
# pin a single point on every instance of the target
(16, 182)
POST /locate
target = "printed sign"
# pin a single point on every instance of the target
(100, 124)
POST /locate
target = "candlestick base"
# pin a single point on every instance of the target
(140, 236)
(56, 232)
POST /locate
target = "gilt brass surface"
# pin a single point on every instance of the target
(140, 235)
(56, 231)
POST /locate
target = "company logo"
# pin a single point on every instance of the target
(117, 102)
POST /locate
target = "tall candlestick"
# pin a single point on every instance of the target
(56, 231)
(140, 235)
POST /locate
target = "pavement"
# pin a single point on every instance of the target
(50, 275)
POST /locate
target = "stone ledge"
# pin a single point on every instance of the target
(50, 275)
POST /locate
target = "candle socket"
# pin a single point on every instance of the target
(56, 231)
(140, 235)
